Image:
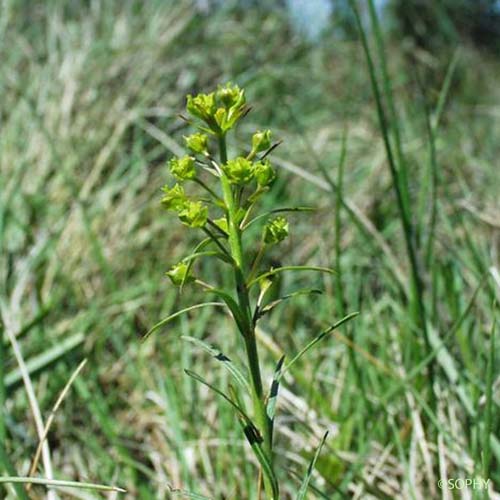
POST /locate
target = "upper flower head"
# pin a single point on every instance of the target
(239, 171)
(174, 198)
(230, 95)
(194, 214)
(275, 230)
(261, 141)
(219, 110)
(183, 168)
(197, 143)
(264, 173)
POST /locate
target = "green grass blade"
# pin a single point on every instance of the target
(488, 414)
(445, 89)
(57, 483)
(307, 478)
(417, 301)
(6, 465)
(3, 393)
(45, 359)
(339, 194)
(393, 121)
(420, 367)
(188, 494)
(43, 312)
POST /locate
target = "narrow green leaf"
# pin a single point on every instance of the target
(235, 405)
(289, 268)
(274, 303)
(207, 253)
(273, 395)
(238, 376)
(305, 483)
(57, 483)
(443, 94)
(251, 432)
(166, 320)
(277, 211)
(200, 246)
(255, 441)
(312, 487)
(318, 338)
(233, 307)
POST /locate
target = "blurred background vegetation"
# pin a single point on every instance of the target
(90, 93)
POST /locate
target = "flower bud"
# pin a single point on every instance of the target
(183, 168)
(264, 173)
(275, 230)
(230, 95)
(197, 143)
(239, 171)
(194, 214)
(180, 273)
(261, 141)
(174, 198)
(201, 106)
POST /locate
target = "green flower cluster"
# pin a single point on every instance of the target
(183, 169)
(197, 143)
(242, 171)
(220, 110)
(261, 141)
(192, 213)
(242, 179)
(174, 198)
(275, 231)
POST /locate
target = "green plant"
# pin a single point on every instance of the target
(225, 216)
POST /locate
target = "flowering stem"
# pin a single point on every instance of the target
(235, 243)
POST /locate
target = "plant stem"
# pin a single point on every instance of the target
(248, 332)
